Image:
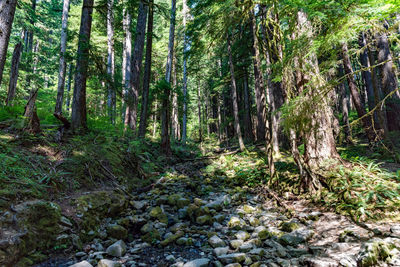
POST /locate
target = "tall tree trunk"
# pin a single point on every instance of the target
(155, 118)
(63, 63)
(389, 82)
(367, 77)
(126, 57)
(319, 142)
(147, 73)
(7, 11)
(357, 101)
(68, 101)
(377, 96)
(165, 142)
(29, 44)
(259, 84)
(136, 65)
(185, 50)
(234, 97)
(16, 58)
(111, 100)
(344, 107)
(174, 117)
(247, 108)
(199, 112)
(78, 117)
(31, 120)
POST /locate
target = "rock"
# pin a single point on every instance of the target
(219, 218)
(182, 202)
(139, 205)
(395, 229)
(296, 237)
(82, 264)
(289, 226)
(171, 238)
(235, 223)
(172, 199)
(377, 251)
(257, 251)
(182, 241)
(232, 258)
(280, 250)
(297, 252)
(199, 202)
(319, 262)
(234, 265)
(220, 251)
(215, 205)
(205, 219)
(80, 254)
(235, 244)
(242, 235)
(254, 221)
(203, 262)
(264, 233)
(216, 242)
(246, 247)
(108, 263)
(170, 258)
(117, 249)
(157, 213)
(249, 209)
(117, 232)
(148, 227)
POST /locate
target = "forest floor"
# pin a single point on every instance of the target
(211, 208)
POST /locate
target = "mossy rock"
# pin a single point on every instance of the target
(151, 237)
(376, 251)
(170, 239)
(289, 226)
(158, 214)
(117, 232)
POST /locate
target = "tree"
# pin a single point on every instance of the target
(234, 96)
(185, 52)
(389, 82)
(78, 117)
(126, 56)
(136, 66)
(7, 12)
(111, 100)
(12, 87)
(63, 63)
(165, 142)
(147, 72)
(366, 120)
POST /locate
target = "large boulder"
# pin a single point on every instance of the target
(117, 249)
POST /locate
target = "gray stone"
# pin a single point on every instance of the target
(242, 235)
(232, 258)
(203, 262)
(296, 237)
(246, 247)
(235, 244)
(139, 205)
(117, 249)
(395, 229)
(220, 251)
(108, 263)
(80, 254)
(320, 262)
(216, 242)
(82, 264)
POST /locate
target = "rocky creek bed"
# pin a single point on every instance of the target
(189, 222)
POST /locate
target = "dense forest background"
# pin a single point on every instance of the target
(290, 96)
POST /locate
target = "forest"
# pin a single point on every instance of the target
(198, 133)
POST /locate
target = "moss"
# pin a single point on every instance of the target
(289, 226)
(158, 214)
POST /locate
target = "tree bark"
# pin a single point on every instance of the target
(247, 108)
(147, 73)
(78, 117)
(185, 50)
(126, 57)
(31, 120)
(319, 142)
(234, 96)
(165, 142)
(174, 117)
(389, 82)
(357, 101)
(29, 45)
(136, 65)
(63, 63)
(7, 11)
(68, 101)
(199, 112)
(111, 99)
(259, 84)
(16, 58)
